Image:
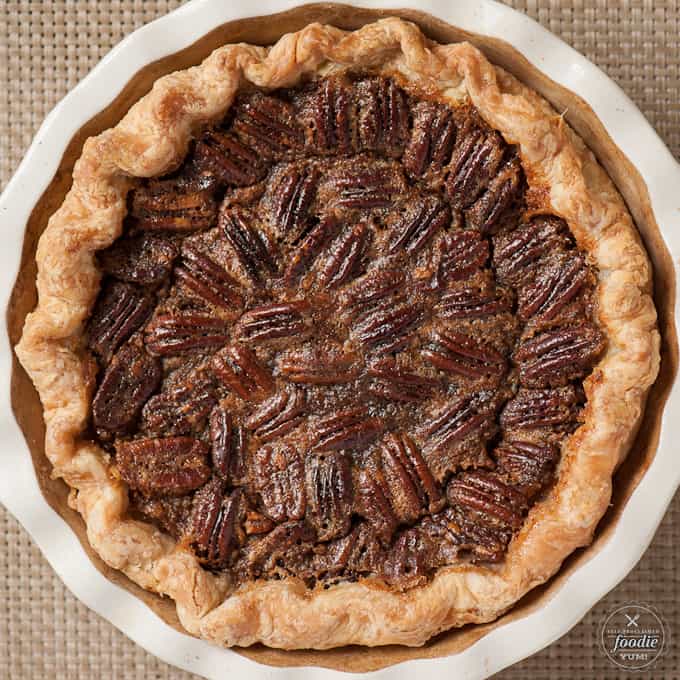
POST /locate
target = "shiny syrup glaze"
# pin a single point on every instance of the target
(334, 344)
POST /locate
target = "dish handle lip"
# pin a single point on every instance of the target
(499, 648)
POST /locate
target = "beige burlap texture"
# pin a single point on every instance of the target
(45, 49)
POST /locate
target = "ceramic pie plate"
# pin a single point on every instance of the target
(635, 158)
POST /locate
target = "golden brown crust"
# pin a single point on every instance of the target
(152, 138)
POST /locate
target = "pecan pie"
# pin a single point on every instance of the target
(340, 341)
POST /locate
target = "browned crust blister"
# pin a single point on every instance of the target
(151, 139)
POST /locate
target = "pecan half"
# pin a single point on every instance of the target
(360, 184)
(371, 501)
(364, 293)
(310, 248)
(466, 416)
(383, 115)
(411, 487)
(226, 158)
(130, 379)
(268, 125)
(272, 321)
(227, 447)
(207, 279)
(460, 354)
(248, 243)
(146, 259)
(532, 409)
(277, 475)
(181, 204)
(503, 190)
(432, 139)
(359, 552)
(278, 415)
(484, 542)
(182, 409)
(554, 287)
(288, 199)
(518, 253)
(558, 356)
(172, 334)
(422, 219)
(462, 253)
(169, 466)
(475, 161)
(456, 534)
(409, 562)
(238, 368)
(345, 256)
(489, 498)
(257, 523)
(349, 429)
(330, 115)
(389, 382)
(388, 326)
(317, 369)
(284, 550)
(529, 467)
(120, 310)
(473, 302)
(216, 524)
(329, 494)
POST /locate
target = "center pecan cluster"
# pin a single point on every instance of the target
(334, 344)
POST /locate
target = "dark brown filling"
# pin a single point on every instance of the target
(334, 343)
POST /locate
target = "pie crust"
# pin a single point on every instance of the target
(152, 139)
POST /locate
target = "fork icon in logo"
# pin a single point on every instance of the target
(632, 620)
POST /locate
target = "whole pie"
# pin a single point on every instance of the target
(340, 341)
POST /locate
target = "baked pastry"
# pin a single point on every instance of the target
(340, 341)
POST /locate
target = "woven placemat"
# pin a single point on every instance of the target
(45, 48)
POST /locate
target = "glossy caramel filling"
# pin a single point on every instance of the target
(335, 343)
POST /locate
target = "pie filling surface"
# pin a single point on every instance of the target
(337, 342)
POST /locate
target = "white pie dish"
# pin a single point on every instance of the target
(72, 109)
